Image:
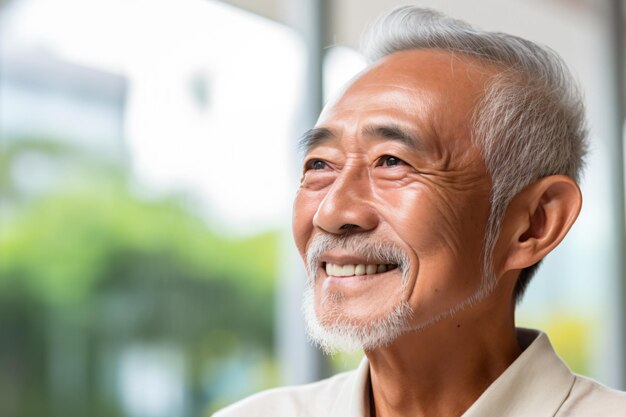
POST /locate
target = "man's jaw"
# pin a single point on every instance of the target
(332, 333)
(335, 261)
(331, 330)
(344, 264)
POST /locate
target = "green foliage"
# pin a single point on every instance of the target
(61, 246)
(88, 268)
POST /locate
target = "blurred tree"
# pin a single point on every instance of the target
(87, 271)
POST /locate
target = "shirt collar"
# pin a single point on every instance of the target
(536, 384)
(353, 398)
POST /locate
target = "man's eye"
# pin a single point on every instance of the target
(390, 161)
(316, 164)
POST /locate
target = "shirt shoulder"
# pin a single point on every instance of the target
(308, 400)
(590, 398)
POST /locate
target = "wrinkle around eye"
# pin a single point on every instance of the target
(317, 178)
(399, 177)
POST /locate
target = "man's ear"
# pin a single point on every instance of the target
(536, 221)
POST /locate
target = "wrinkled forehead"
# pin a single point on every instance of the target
(458, 77)
(433, 91)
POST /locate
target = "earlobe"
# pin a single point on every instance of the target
(537, 220)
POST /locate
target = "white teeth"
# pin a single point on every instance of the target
(348, 270)
(352, 269)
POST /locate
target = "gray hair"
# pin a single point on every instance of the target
(530, 122)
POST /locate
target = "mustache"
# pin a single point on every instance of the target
(373, 249)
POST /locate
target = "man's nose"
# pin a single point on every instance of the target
(348, 204)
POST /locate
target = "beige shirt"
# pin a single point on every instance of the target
(536, 384)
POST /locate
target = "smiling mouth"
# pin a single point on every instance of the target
(351, 270)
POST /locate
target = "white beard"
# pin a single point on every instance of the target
(350, 337)
(333, 333)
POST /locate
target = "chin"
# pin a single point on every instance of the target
(334, 332)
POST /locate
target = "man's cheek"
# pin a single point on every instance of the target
(417, 223)
(304, 209)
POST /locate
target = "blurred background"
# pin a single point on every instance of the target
(147, 168)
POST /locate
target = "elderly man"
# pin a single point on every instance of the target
(431, 189)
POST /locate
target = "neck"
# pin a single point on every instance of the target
(443, 369)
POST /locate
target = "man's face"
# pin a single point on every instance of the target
(391, 177)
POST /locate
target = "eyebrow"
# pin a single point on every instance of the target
(317, 135)
(392, 132)
(314, 137)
